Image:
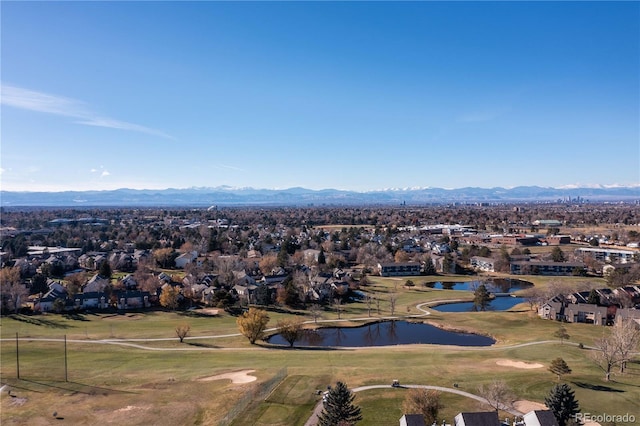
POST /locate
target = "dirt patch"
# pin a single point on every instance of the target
(238, 377)
(129, 408)
(518, 364)
(17, 402)
(209, 312)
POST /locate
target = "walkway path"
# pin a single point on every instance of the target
(313, 420)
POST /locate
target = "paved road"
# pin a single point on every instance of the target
(313, 420)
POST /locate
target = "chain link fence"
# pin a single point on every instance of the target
(259, 393)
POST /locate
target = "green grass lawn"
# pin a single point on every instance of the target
(158, 384)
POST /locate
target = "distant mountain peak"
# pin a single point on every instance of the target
(244, 196)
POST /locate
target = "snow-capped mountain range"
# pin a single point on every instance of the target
(296, 196)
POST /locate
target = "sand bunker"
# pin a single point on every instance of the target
(518, 364)
(235, 377)
(525, 406)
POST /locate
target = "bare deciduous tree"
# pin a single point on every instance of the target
(626, 336)
(369, 301)
(497, 394)
(562, 334)
(253, 323)
(182, 331)
(316, 312)
(393, 298)
(606, 355)
(338, 306)
(290, 329)
(11, 288)
(423, 401)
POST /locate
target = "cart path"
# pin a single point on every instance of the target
(313, 420)
(134, 343)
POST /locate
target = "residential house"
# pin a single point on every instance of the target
(241, 278)
(129, 282)
(132, 299)
(274, 279)
(545, 268)
(165, 278)
(512, 240)
(624, 314)
(552, 310)
(27, 268)
(482, 418)
(585, 313)
(185, 259)
(56, 291)
(483, 263)
(95, 284)
(91, 300)
(311, 256)
(412, 420)
(550, 223)
(398, 269)
(245, 292)
(539, 418)
(122, 261)
(608, 255)
(556, 240)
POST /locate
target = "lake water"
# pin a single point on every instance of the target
(385, 334)
(496, 285)
(497, 304)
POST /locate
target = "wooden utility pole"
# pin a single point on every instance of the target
(65, 358)
(17, 358)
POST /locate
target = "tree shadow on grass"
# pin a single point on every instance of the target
(196, 314)
(38, 321)
(594, 387)
(74, 387)
(201, 345)
(75, 316)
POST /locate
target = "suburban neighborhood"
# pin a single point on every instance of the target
(325, 262)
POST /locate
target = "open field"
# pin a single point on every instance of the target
(160, 381)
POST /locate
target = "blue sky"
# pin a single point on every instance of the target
(346, 95)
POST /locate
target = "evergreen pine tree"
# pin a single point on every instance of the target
(562, 402)
(481, 298)
(559, 367)
(105, 270)
(338, 407)
(321, 257)
(562, 334)
(429, 268)
(594, 297)
(557, 255)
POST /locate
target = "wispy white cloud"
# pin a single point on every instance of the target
(225, 166)
(18, 97)
(104, 173)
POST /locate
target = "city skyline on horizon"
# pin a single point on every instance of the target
(348, 96)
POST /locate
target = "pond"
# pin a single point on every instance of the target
(385, 334)
(495, 285)
(497, 304)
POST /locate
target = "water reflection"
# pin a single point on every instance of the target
(384, 334)
(494, 285)
(497, 304)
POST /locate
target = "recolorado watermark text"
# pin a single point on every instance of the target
(605, 417)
